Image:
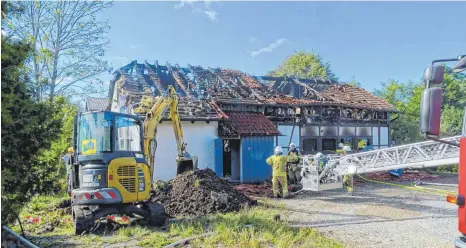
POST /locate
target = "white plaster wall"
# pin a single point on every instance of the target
(200, 138)
(114, 104)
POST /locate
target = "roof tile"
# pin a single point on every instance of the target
(251, 124)
(96, 104)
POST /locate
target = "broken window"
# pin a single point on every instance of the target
(309, 145)
(329, 144)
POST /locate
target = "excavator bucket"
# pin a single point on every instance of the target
(184, 165)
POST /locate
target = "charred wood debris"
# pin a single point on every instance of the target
(206, 94)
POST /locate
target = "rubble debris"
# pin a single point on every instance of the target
(199, 193)
(262, 190)
(45, 229)
(255, 190)
(105, 225)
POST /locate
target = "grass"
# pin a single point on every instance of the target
(197, 183)
(253, 227)
(44, 208)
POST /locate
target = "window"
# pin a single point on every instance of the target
(94, 134)
(329, 144)
(384, 136)
(129, 136)
(309, 145)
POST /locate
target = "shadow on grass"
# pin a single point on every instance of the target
(255, 227)
(54, 240)
(251, 227)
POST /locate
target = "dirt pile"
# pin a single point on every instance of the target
(199, 193)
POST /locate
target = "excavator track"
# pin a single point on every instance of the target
(157, 214)
(83, 219)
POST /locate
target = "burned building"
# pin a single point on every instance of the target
(232, 120)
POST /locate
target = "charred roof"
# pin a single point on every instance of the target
(204, 87)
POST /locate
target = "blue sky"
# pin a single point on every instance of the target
(371, 41)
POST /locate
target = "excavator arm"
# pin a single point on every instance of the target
(153, 118)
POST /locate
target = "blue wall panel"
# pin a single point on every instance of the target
(254, 151)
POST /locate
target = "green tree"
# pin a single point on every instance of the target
(354, 82)
(27, 126)
(50, 172)
(26, 129)
(406, 99)
(68, 44)
(304, 65)
(454, 102)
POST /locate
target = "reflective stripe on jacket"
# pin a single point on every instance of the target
(278, 164)
(293, 157)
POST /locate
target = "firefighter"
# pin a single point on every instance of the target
(320, 161)
(348, 179)
(278, 162)
(293, 164)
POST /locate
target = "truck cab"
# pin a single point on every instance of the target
(431, 105)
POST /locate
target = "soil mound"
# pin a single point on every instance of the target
(199, 193)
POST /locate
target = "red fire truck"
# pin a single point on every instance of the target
(431, 104)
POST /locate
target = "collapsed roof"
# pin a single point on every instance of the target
(203, 90)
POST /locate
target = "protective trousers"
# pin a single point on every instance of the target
(283, 182)
(294, 173)
(348, 180)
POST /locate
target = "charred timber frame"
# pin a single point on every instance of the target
(312, 114)
(179, 78)
(153, 75)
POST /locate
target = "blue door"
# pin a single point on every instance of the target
(218, 157)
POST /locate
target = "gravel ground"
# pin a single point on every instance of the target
(378, 215)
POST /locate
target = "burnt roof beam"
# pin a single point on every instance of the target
(153, 75)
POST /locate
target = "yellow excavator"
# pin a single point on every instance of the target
(111, 164)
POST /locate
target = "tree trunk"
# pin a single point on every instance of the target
(53, 80)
